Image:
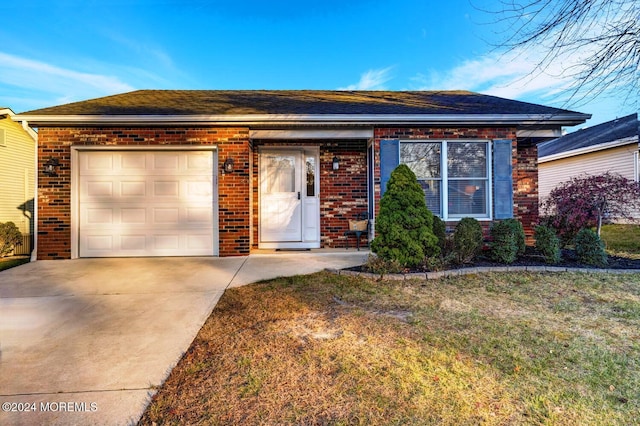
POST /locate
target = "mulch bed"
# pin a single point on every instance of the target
(569, 260)
(532, 258)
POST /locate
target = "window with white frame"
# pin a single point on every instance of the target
(454, 175)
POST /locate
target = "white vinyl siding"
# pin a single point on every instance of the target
(17, 174)
(620, 160)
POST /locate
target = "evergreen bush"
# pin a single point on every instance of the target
(440, 231)
(404, 226)
(590, 248)
(504, 242)
(467, 240)
(547, 243)
(518, 231)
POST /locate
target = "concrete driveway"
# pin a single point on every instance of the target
(87, 341)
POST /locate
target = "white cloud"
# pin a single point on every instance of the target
(61, 85)
(514, 75)
(372, 80)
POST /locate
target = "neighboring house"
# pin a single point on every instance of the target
(177, 173)
(607, 147)
(17, 175)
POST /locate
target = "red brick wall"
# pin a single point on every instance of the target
(343, 193)
(525, 187)
(525, 167)
(54, 193)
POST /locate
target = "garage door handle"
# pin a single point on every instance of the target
(298, 195)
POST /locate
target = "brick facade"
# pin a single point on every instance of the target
(343, 193)
(524, 163)
(54, 193)
(525, 187)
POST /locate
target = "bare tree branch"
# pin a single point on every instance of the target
(595, 42)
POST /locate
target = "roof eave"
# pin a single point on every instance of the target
(564, 119)
(589, 149)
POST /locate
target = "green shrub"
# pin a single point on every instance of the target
(10, 236)
(518, 232)
(504, 241)
(547, 243)
(590, 248)
(440, 231)
(404, 226)
(467, 240)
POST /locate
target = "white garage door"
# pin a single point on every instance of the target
(145, 203)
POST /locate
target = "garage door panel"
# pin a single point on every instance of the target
(133, 216)
(133, 161)
(99, 242)
(99, 216)
(198, 161)
(133, 242)
(166, 242)
(166, 215)
(198, 215)
(169, 161)
(146, 204)
(164, 188)
(201, 188)
(99, 189)
(199, 242)
(158, 244)
(100, 162)
(133, 188)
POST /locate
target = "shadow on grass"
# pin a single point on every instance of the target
(8, 263)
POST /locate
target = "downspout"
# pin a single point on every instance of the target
(34, 249)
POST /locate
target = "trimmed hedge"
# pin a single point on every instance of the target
(467, 240)
(590, 248)
(548, 243)
(508, 240)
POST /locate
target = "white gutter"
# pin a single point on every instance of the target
(310, 119)
(588, 149)
(25, 125)
(28, 129)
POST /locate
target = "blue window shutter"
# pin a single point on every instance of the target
(389, 160)
(502, 179)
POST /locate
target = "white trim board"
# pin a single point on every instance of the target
(588, 149)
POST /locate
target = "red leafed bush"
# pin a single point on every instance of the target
(585, 201)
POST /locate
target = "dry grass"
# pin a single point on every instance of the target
(488, 349)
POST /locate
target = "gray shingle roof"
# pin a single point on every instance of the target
(313, 102)
(610, 131)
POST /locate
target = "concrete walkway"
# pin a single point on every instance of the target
(87, 341)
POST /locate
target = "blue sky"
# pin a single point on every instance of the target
(55, 52)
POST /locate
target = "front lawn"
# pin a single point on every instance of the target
(622, 238)
(10, 262)
(480, 349)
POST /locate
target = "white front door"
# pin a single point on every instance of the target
(289, 207)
